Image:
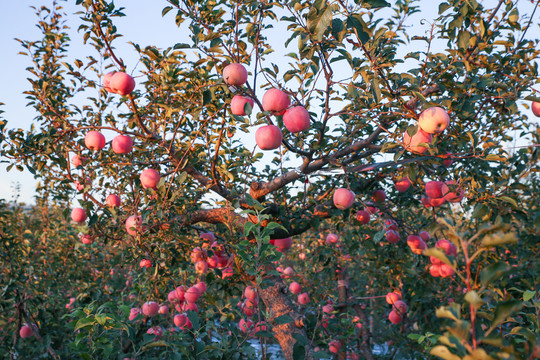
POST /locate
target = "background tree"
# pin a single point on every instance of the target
(352, 69)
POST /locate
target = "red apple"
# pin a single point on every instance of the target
(393, 297)
(425, 235)
(122, 144)
(403, 185)
(535, 107)
(392, 236)
(394, 317)
(180, 320)
(77, 160)
(133, 224)
(413, 143)
(296, 119)
(113, 200)
(150, 308)
(295, 288)
(435, 270)
(244, 325)
(344, 198)
(363, 216)
(268, 137)
(133, 312)
(122, 83)
(145, 263)
(332, 239)
(149, 178)
(208, 236)
(78, 215)
(436, 202)
(201, 285)
(227, 272)
(434, 120)
(235, 74)
(26, 331)
(448, 247)
(250, 293)
(107, 81)
(201, 267)
(378, 196)
(434, 189)
(416, 244)
(163, 309)
(283, 244)
(446, 270)
(94, 140)
(452, 196)
(334, 346)
(87, 239)
(275, 100)
(303, 298)
(238, 104)
(192, 294)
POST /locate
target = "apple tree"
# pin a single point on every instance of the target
(336, 184)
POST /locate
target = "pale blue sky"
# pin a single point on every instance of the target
(143, 25)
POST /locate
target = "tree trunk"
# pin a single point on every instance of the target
(277, 304)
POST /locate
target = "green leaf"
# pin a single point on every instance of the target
(474, 299)
(89, 321)
(439, 254)
(299, 351)
(356, 22)
(504, 310)
(447, 312)
(499, 238)
(528, 295)
(493, 272)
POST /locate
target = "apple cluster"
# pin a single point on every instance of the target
(433, 120)
(439, 192)
(219, 260)
(438, 268)
(399, 307)
(275, 101)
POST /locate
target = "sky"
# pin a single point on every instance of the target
(143, 25)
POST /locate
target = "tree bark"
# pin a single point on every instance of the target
(277, 304)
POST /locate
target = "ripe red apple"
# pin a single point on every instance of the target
(268, 137)
(448, 247)
(238, 104)
(436, 202)
(149, 178)
(425, 235)
(26, 331)
(250, 293)
(452, 196)
(107, 81)
(413, 143)
(295, 288)
(283, 244)
(163, 309)
(392, 297)
(235, 74)
(244, 325)
(113, 200)
(192, 294)
(77, 160)
(133, 224)
(209, 236)
(363, 216)
(400, 307)
(394, 317)
(303, 298)
(296, 119)
(94, 140)
(86, 239)
(150, 308)
(133, 312)
(403, 185)
(122, 83)
(275, 100)
(334, 346)
(435, 270)
(434, 189)
(145, 263)
(416, 244)
(122, 144)
(434, 120)
(446, 270)
(392, 236)
(260, 326)
(332, 239)
(78, 215)
(344, 198)
(180, 320)
(201, 267)
(378, 196)
(535, 107)
(201, 285)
